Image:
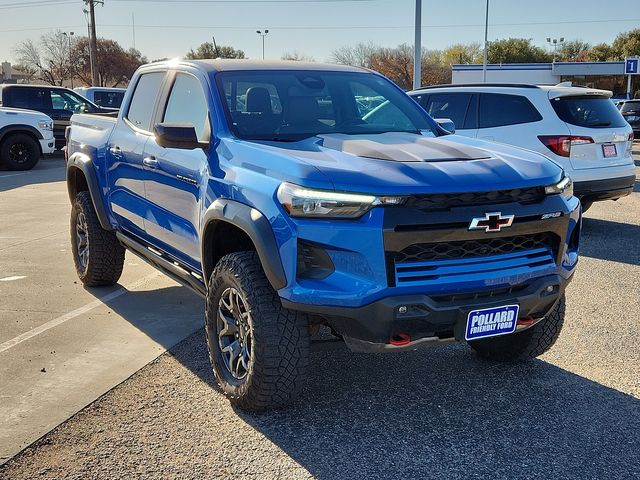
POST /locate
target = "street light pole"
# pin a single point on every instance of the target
(417, 48)
(69, 35)
(486, 44)
(554, 42)
(259, 32)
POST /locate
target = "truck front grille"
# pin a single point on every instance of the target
(474, 260)
(446, 201)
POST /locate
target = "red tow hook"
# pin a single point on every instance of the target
(400, 340)
(526, 321)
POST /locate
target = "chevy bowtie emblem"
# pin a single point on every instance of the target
(492, 222)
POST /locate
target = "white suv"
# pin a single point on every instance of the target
(579, 128)
(24, 137)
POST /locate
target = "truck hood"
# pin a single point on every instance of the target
(17, 113)
(405, 163)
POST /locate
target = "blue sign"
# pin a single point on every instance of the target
(631, 66)
(489, 322)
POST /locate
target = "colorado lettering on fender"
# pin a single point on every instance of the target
(491, 322)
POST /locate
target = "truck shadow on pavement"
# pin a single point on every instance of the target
(48, 170)
(444, 413)
(609, 240)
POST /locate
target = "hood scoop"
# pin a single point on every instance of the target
(402, 147)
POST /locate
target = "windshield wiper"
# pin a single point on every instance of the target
(599, 124)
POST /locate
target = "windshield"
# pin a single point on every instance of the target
(588, 111)
(628, 107)
(292, 105)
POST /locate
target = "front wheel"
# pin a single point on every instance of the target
(258, 349)
(19, 151)
(527, 344)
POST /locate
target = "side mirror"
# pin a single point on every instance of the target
(177, 135)
(447, 124)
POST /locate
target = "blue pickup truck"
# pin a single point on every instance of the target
(284, 195)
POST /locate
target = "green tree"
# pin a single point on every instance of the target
(517, 50)
(601, 52)
(462, 53)
(627, 44)
(208, 50)
(573, 51)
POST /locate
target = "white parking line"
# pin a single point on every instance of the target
(11, 279)
(78, 311)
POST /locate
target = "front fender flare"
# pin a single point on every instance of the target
(84, 163)
(259, 230)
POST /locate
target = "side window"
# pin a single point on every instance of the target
(62, 100)
(144, 100)
(498, 110)
(187, 104)
(421, 98)
(449, 105)
(29, 98)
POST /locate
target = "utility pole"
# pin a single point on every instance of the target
(417, 48)
(93, 42)
(486, 45)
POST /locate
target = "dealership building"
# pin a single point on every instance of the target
(604, 75)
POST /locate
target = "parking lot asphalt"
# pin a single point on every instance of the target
(436, 413)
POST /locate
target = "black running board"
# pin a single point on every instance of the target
(169, 268)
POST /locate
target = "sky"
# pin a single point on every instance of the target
(169, 28)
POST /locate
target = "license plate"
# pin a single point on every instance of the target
(490, 322)
(609, 150)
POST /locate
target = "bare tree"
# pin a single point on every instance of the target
(359, 55)
(48, 58)
(297, 56)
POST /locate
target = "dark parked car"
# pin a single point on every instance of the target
(630, 110)
(59, 103)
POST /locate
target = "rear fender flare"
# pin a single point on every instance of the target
(83, 163)
(258, 229)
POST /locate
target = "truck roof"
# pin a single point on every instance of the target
(224, 64)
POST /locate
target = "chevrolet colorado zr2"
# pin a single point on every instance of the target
(280, 194)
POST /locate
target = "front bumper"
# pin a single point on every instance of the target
(47, 145)
(435, 318)
(608, 189)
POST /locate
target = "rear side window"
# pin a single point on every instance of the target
(500, 110)
(449, 105)
(188, 105)
(144, 99)
(588, 111)
(38, 99)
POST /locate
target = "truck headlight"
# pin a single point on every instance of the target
(302, 202)
(564, 187)
(45, 125)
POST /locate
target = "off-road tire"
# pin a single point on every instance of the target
(527, 344)
(24, 145)
(105, 258)
(279, 337)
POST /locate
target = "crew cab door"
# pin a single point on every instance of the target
(125, 153)
(175, 176)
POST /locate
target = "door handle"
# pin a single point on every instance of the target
(151, 162)
(116, 151)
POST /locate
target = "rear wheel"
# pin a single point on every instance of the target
(259, 350)
(527, 344)
(19, 151)
(97, 253)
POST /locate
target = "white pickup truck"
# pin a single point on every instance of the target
(25, 136)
